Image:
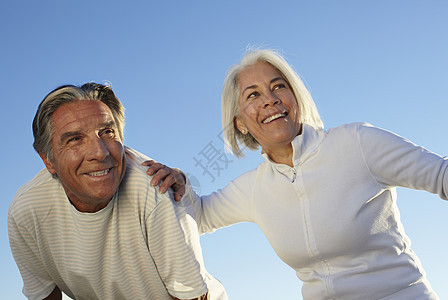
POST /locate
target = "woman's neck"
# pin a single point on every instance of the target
(282, 155)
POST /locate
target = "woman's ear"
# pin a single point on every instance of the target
(50, 166)
(240, 125)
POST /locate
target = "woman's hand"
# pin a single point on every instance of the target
(170, 178)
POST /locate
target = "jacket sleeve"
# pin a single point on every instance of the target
(229, 205)
(395, 161)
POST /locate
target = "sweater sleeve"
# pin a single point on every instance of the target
(395, 161)
(229, 205)
(173, 241)
(37, 283)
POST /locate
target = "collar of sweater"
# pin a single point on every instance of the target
(305, 146)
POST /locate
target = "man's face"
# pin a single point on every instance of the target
(88, 153)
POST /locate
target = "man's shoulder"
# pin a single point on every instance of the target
(134, 160)
(40, 185)
(37, 193)
(136, 183)
(135, 172)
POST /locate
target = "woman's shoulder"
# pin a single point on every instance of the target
(349, 130)
(249, 177)
(349, 127)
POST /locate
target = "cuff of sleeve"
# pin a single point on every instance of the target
(181, 292)
(41, 295)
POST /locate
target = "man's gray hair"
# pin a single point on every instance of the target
(42, 124)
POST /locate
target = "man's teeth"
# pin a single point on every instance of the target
(272, 118)
(99, 173)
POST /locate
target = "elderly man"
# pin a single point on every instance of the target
(91, 224)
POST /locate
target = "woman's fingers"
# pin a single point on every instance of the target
(168, 178)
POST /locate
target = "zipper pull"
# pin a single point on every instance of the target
(294, 174)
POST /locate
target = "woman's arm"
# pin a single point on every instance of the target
(222, 208)
(395, 161)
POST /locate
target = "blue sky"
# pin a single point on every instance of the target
(382, 62)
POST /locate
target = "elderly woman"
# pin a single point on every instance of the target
(326, 200)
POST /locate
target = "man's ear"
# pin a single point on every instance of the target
(50, 166)
(239, 124)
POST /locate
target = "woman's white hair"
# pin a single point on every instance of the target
(308, 113)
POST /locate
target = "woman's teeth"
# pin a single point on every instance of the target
(272, 118)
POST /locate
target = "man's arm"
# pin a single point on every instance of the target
(37, 282)
(173, 241)
(56, 294)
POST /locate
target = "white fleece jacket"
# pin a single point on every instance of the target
(333, 217)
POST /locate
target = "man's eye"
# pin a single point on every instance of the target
(73, 139)
(108, 132)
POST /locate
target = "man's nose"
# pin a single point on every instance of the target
(97, 149)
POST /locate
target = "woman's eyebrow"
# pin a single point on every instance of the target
(277, 79)
(255, 86)
(248, 88)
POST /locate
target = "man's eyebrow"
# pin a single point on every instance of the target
(70, 134)
(66, 135)
(109, 124)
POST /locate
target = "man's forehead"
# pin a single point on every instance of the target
(81, 113)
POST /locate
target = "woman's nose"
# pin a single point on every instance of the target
(271, 99)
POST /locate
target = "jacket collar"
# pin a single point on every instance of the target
(305, 146)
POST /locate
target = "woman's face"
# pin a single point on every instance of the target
(268, 107)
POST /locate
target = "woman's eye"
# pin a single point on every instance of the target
(252, 95)
(279, 86)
